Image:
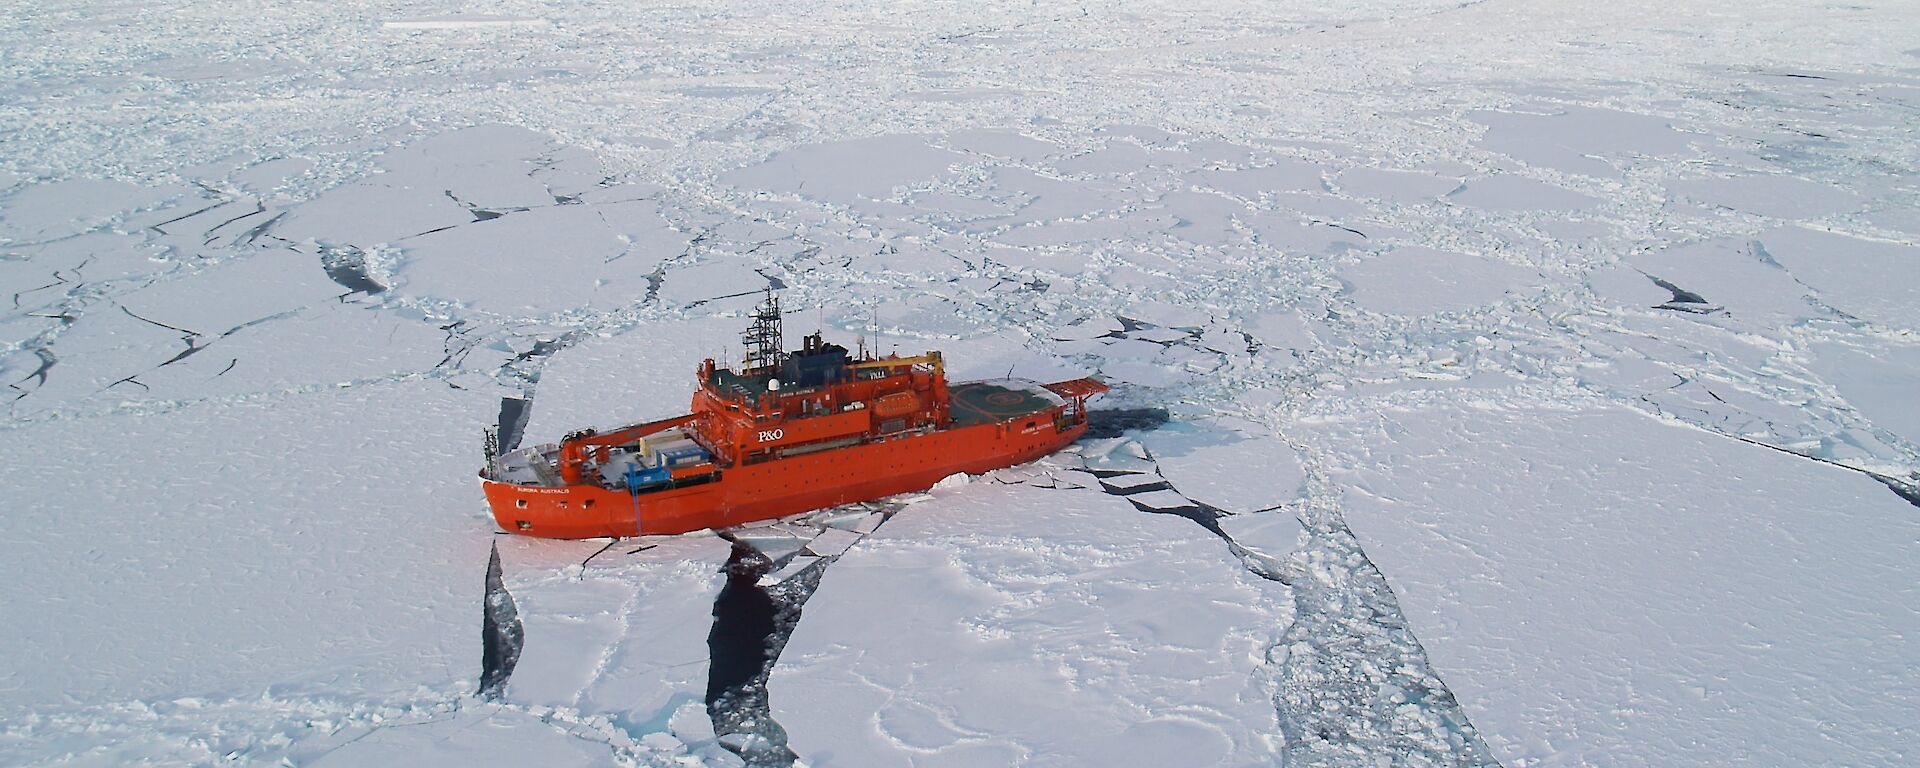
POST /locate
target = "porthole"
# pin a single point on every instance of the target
(521, 503)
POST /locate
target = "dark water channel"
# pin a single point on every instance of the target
(514, 413)
(751, 625)
(501, 633)
(348, 268)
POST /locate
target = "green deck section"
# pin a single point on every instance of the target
(748, 387)
(982, 402)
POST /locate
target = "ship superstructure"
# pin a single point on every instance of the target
(788, 432)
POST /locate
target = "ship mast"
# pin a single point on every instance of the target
(765, 348)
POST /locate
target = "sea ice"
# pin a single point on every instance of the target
(1508, 192)
(1718, 595)
(847, 172)
(1234, 471)
(1395, 186)
(1779, 196)
(1571, 336)
(297, 497)
(1571, 139)
(1849, 272)
(1007, 640)
(50, 210)
(1416, 280)
(1878, 381)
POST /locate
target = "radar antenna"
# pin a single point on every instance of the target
(765, 348)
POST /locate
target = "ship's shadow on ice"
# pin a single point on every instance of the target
(1113, 422)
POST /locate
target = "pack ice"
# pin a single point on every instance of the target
(1494, 383)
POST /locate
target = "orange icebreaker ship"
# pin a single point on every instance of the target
(790, 432)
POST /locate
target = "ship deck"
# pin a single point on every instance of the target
(986, 402)
(750, 387)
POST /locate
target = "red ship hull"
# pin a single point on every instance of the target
(779, 487)
(787, 433)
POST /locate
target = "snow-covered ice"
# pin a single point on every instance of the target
(1601, 587)
(1507, 192)
(1417, 280)
(972, 630)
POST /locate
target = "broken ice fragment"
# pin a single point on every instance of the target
(832, 542)
(1119, 461)
(770, 542)
(844, 518)
(799, 563)
(1161, 500)
(1127, 483)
